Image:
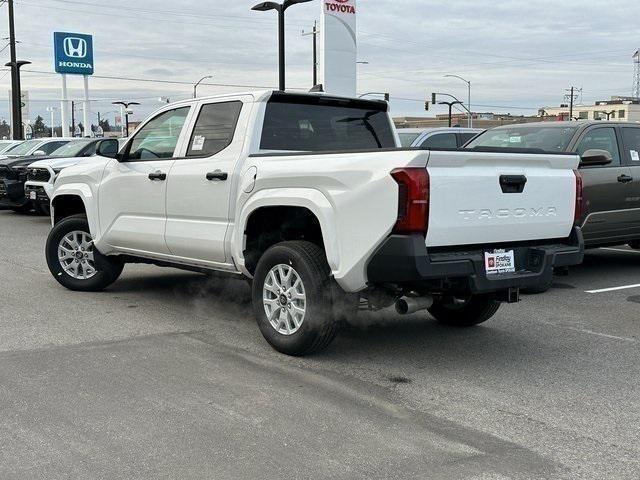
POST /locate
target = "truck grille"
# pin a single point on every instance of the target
(38, 174)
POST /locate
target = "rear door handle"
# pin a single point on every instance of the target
(625, 179)
(217, 175)
(161, 176)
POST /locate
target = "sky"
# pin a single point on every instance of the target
(519, 55)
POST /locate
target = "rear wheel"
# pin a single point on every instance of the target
(74, 261)
(292, 298)
(465, 312)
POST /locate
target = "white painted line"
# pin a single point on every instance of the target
(589, 332)
(622, 250)
(613, 289)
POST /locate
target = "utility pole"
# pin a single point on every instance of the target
(314, 32)
(16, 92)
(572, 94)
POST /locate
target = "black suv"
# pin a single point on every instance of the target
(610, 169)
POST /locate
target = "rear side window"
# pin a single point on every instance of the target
(313, 124)
(441, 140)
(214, 128)
(631, 137)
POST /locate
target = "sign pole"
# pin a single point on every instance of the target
(63, 107)
(87, 109)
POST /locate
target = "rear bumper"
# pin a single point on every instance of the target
(405, 260)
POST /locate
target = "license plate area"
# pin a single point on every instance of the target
(499, 261)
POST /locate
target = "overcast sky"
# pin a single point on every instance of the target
(519, 55)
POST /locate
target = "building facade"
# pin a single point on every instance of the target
(620, 109)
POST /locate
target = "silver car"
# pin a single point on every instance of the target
(441, 137)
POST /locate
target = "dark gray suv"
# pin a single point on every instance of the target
(610, 169)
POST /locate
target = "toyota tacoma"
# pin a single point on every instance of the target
(310, 197)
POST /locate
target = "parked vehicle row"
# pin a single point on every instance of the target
(29, 168)
(310, 198)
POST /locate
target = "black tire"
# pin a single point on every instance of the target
(635, 244)
(23, 209)
(42, 209)
(108, 268)
(542, 288)
(475, 310)
(319, 326)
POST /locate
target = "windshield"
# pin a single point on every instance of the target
(407, 139)
(71, 149)
(5, 144)
(24, 148)
(548, 138)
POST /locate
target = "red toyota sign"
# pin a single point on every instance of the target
(340, 6)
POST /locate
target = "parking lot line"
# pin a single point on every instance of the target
(613, 289)
(621, 250)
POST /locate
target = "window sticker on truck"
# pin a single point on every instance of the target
(499, 261)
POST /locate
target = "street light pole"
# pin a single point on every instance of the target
(314, 32)
(468, 82)
(16, 93)
(195, 87)
(280, 8)
(126, 106)
(450, 104)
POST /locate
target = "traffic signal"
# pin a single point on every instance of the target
(433, 98)
(426, 106)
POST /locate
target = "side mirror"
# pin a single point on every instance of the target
(39, 153)
(595, 157)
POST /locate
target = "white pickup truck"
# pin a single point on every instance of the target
(310, 197)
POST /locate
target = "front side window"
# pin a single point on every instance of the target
(50, 147)
(306, 123)
(441, 140)
(407, 139)
(600, 139)
(214, 128)
(72, 149)
(24, 148)
(159, 137)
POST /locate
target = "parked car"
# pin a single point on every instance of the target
(35, 147)
(6, 145)
(13, 170)
(42, 173)
(309, 196)
(609, 167)
(445, 137)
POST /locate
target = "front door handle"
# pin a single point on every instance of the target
(217, 175)
(625, 179)
(161, 176)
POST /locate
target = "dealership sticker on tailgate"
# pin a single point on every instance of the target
(499, 261)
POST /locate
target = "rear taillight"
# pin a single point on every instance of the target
(580, 205)
(413, 200)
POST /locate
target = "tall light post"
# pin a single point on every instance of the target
(52, 110)
(195, 86)
(125, 106)
(280, 8)
(470, 120)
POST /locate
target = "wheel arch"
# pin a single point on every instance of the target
(74, 200)
(292, 211)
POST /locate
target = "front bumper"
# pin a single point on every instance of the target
(405, 260)
(37, 194)
(12, 193)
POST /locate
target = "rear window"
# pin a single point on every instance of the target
(313, 124)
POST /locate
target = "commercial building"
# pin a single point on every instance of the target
(621, 109)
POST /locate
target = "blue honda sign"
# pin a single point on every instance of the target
(73, 53)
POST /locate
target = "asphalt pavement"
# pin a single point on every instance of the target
(165, 375)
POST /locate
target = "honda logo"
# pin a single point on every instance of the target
(75, 47)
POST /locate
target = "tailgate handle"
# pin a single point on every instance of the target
(512, 183)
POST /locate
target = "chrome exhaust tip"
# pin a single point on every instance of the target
(409, 305)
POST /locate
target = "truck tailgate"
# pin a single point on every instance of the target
(478, 197)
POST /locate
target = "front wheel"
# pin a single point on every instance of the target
(74, 261)
(465, 312)
(292, 298)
